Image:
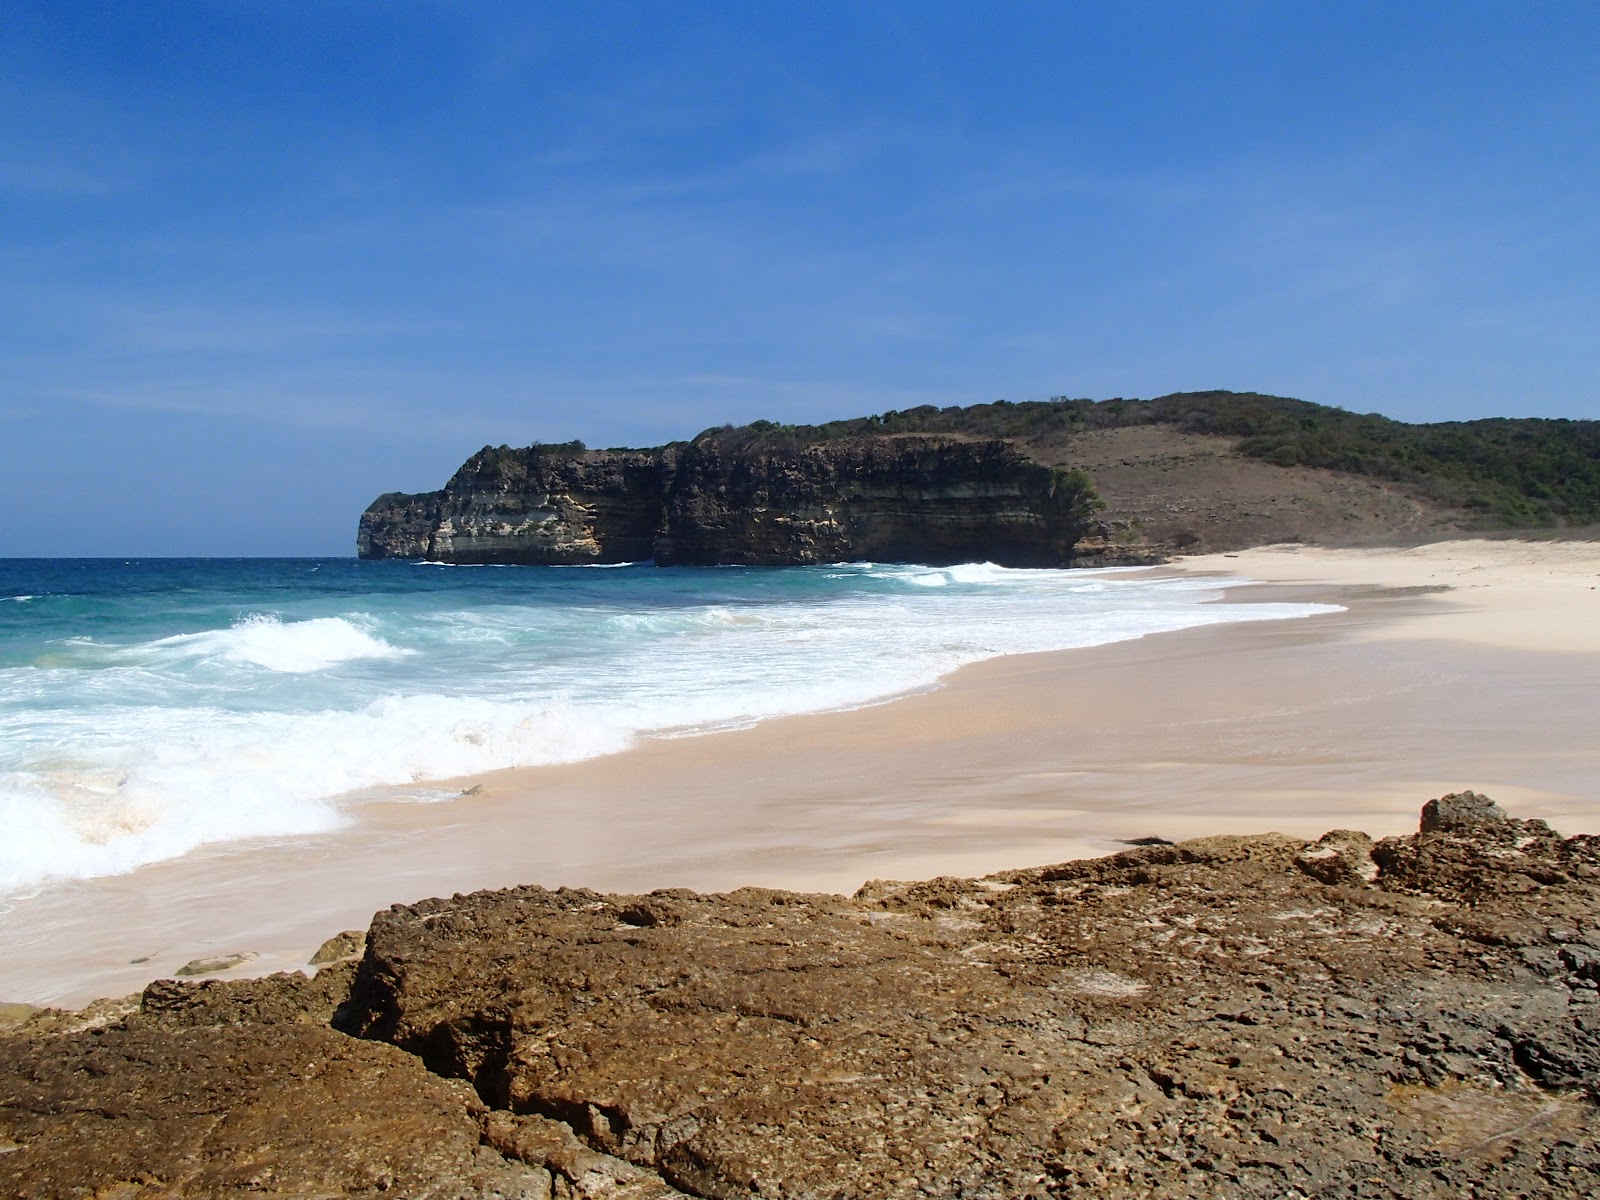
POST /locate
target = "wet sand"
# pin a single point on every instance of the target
(1348, 720)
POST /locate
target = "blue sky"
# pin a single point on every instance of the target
(262, 261)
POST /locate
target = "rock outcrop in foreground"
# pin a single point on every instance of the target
(1226, 1017)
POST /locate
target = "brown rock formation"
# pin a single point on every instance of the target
(922, 499)
(1226, 1017)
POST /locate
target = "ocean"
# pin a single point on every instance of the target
(149, 707)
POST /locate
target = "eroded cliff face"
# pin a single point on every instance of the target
(525, 506)
(750, 502)
(908, 499)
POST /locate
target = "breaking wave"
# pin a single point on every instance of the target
(142, 725)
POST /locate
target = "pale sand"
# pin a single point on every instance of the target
(1523, 595)
(1344, 720)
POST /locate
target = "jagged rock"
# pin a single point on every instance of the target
(1228, 1017)
(1469, 851)
(1340, 856)
(1459, 811)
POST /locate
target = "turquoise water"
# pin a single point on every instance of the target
(150, 707)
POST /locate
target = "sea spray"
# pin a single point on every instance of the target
(149, 708)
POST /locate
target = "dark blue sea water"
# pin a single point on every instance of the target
(151, 706)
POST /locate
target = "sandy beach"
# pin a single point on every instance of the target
(1472, 664)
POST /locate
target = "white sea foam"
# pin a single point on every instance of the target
(266, 640)
(982, 573)
(172, 781)
(62, 828)
(112, 756)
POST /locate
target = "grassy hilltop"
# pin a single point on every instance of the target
(1516, 472)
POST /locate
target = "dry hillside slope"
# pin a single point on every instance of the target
(1167, 491)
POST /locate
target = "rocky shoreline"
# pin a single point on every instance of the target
(1418, 1016)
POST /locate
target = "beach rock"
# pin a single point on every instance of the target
(1459, 811)
(213, 966)
(576, 1170)
(1340, 856)
(1228, 1017)
(1470, 852)
(281, 1110)
(341, 946)
(284, 998)
(33, 1020)
(13, 1015)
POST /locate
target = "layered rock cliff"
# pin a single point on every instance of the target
(540, 505)
(1017, 484)
(1262, 1016)
(752, 501)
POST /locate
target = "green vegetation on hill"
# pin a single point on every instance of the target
(1517, 472)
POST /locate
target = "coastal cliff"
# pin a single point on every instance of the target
(1233, 1016)
(755, 502)
(545, 505)
(1056, 483)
